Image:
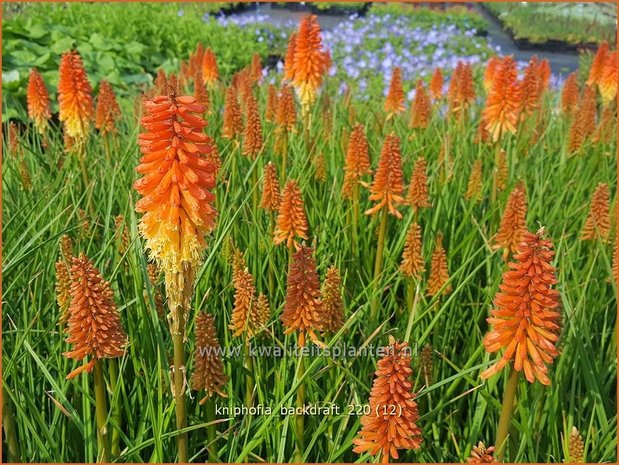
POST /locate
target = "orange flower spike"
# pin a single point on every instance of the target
(606, 127)
(108, 111)
(576, 135)
(286, 114)
(481, 454)
(569, 94)
(256, 68)
(75, 104)
(232, 119)
(489, 74)
(530, 89)
(39, 109)
(467, 86)
(503, 102)
(271, 197)
(244, 296)
(63, 289)
(252, 136)
(453, 92)
(412, 264)
(387, 187)
(196, 59)
(272, 103)
(587, 111)
(597, 65)
(382, 431)
(208, 371)
(303, 306)
(608, 81)
(544, 73)
(309, 61)
(514, 221)
(421, 110)
(502, 171)
(418, 189)
(439, 270)
(332, 303)
(436, 84)
(289, 59)
(199, 90)
(474, 185)
(291, 219)
(615, 265)
(94, 326)
(210, 71)
(176, 186)
(525, 319)
(598, 224)
(394, 103)
(357, 161)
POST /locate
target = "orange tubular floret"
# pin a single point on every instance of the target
(289, 59)
(39, 109)
(412, 258)
(108, 111)
(421, 110)
(598, 224)
(233, 121)
(392, 421)
(387, 187)
(514, 221)
(569, 94)
(394, 103)
(176, 182)
(357, 162)
(597, 65)
(75, 104)
(608, 80)
(309, 61)
(252, 136)
(436, 84)
(210, 71)
(291, 219)
(525, 319)
(271, 196)
(503, 103)
(417, 196)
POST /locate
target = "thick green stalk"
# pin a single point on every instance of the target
(113, 371)
(179, 384)
(378, 264)
(249, 378)
(101, 414)
(506, 414)
(10, 431)
(300, 419)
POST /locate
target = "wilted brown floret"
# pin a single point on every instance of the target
(291, 219)
(244, 296)
(271, 196)
(332, 303)
(436, 84)
(576, 447)
(473, 187)
(122, 235)
(569, 94)
(387, 187)
(482, 454)
(94, 326)
(427, 363)
(525, 320)
(272, 103)
(303, 306)
(439, 271)
(233, 122)
(597, 224)
(108, 111)
(357, 162)
(418, 189)
(392, 421)
(320, 165)
(412, 264)
(514, 221)
(502, 171)
(208, 370)
(63, 289)
(421, 110)
(394, 103)
(252, 137)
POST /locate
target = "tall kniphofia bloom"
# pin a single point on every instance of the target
(232, 118)
(208, 371)
(394, 102)
(387, 187)
(436, 84)
(332, 303)
(503, 102)
(421, 109)
(271, 195)
(108, 111)
(392, 423)
(75, 104)
(597, 224)
(413, 265)
(438, 281)
(514, 221)
(525, 320)
(210, 71)
(596, 70)
(309, 65)
(39, 109)
(569, 94)
(417, 196)
(357, 163)
(291, 219)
